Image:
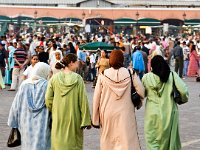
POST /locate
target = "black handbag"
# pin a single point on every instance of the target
(14, 138)
(135, 97)
(176, 93)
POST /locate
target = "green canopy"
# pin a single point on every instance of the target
(124, 21)
(192, 22)
(23, 19)
(48, 20)
(97, 45)
(148, 22)
(4, 19)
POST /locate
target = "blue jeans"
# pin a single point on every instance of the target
(185, 68)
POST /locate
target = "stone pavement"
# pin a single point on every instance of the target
(189, 120)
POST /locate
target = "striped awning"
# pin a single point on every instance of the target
(22, 19)
(148, 22)
(124, 21)
(192, 22)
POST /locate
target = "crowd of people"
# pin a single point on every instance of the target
(17, 53)
(49, 75)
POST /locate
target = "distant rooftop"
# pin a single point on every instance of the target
(157, 2)
(39, 2)
(115, 3)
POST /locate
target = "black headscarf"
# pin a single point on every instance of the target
(160, 68)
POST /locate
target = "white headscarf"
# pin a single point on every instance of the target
(40, 71)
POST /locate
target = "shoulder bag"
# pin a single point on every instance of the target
(176, 93)
(135, 97)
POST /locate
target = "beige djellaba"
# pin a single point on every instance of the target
(114, 111)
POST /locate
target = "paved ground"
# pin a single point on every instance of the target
(189, 120)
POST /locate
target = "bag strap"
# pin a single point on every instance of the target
(174, 86)
(132, 87)
(173, 79)
(133, 91)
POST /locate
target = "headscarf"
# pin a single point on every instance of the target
(160, 68)
(58, 51)
(53, 60)
(41, 70)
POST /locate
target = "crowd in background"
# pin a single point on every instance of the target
(53, 71)
(18, 52)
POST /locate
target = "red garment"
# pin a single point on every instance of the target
(193, 64)
(41, 43)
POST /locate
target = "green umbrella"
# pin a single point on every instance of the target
(97, 45)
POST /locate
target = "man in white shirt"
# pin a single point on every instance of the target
(198, 47)
(92, 66)
(186, 52)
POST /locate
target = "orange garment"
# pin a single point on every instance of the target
(77, 48)
(121, 44)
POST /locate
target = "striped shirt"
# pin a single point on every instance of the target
(21, 56)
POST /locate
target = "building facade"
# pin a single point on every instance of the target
(117, 15)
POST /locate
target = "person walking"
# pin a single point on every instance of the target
(161, 127)
(3, 62)
(193, 63)
(82, 66)
(178, 55)
(11, 61)
(21, 60)
(138, 62)
(66, 98)
(127, 58)
(186, 53)
(28, 112)
(101, 65)
(113, 110)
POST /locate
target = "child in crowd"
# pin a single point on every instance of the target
(28, 71)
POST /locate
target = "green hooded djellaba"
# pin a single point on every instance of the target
(66, 98)
(161, 122)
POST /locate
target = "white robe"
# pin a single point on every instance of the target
(29, 114)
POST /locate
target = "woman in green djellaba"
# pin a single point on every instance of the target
(66, 98)
(161, 123)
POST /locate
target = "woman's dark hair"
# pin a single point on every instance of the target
(160, 68)
(66, 61)
(34, 56)
(193, 48)
(106, 52)
(72, 49)
(55, 46)
(42, 38)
